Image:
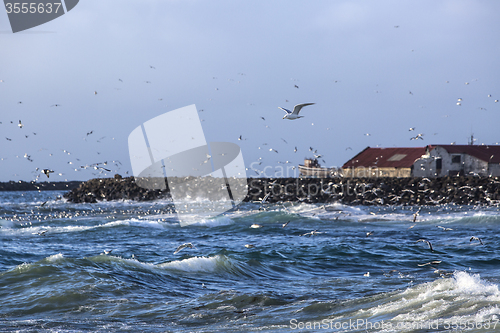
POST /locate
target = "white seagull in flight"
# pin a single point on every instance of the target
(296, 109)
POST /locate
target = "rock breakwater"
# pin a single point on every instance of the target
(352, 191)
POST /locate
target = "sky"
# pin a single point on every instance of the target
(374, 69)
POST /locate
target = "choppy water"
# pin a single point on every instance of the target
(63, 282)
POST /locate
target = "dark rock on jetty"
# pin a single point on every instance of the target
(117, 188)
(352, 191)
(379, 191)
(38, 186)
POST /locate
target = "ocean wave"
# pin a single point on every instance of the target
(217, 221)
(199, 264)
(460, 298)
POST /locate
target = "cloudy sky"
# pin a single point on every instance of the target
(371, 67)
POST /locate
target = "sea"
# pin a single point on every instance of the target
(112, 267)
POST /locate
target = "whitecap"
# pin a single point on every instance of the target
(196, 264)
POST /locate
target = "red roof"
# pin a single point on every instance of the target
(386, 157)
(490, 154)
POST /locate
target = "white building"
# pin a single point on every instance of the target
(454, 160)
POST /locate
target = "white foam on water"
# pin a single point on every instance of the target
(196, 264)
(217, 221)
(461, 297)
(132, 222)
(54, 257)
(5, 224)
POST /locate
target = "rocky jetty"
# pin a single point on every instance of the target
(380, 191)
(118, 188)
(38, 186)
(352, 191)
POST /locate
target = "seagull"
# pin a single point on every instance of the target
(428, 243)
(20, 124)
(95, 92)
(296, 86)
(312, 233)
(476, 238)
(47, 172)
(255, 226)
(56, 105)
(411, 129)
(41, 233)
(285, 224)
(369, 233)
(249, 246)
(107, 251)
(296, 109)
(419, 136)
(416, 214)
(183, 246)
(444, 229)
(265, 198)
(295, 150)
(435, 262)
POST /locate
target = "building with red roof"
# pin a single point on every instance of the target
(429, 161)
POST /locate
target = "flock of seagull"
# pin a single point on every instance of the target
(99, 166)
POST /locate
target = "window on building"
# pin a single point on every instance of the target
(439, 163)
(456, 159)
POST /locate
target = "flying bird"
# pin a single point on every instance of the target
(428, 243)
(20, 124)
(476, 238)
(291, 115)
(312, 233)
(183, 246)
(416, 214)
(443, 228)
(47, 172)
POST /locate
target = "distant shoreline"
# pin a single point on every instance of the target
(39, 186)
